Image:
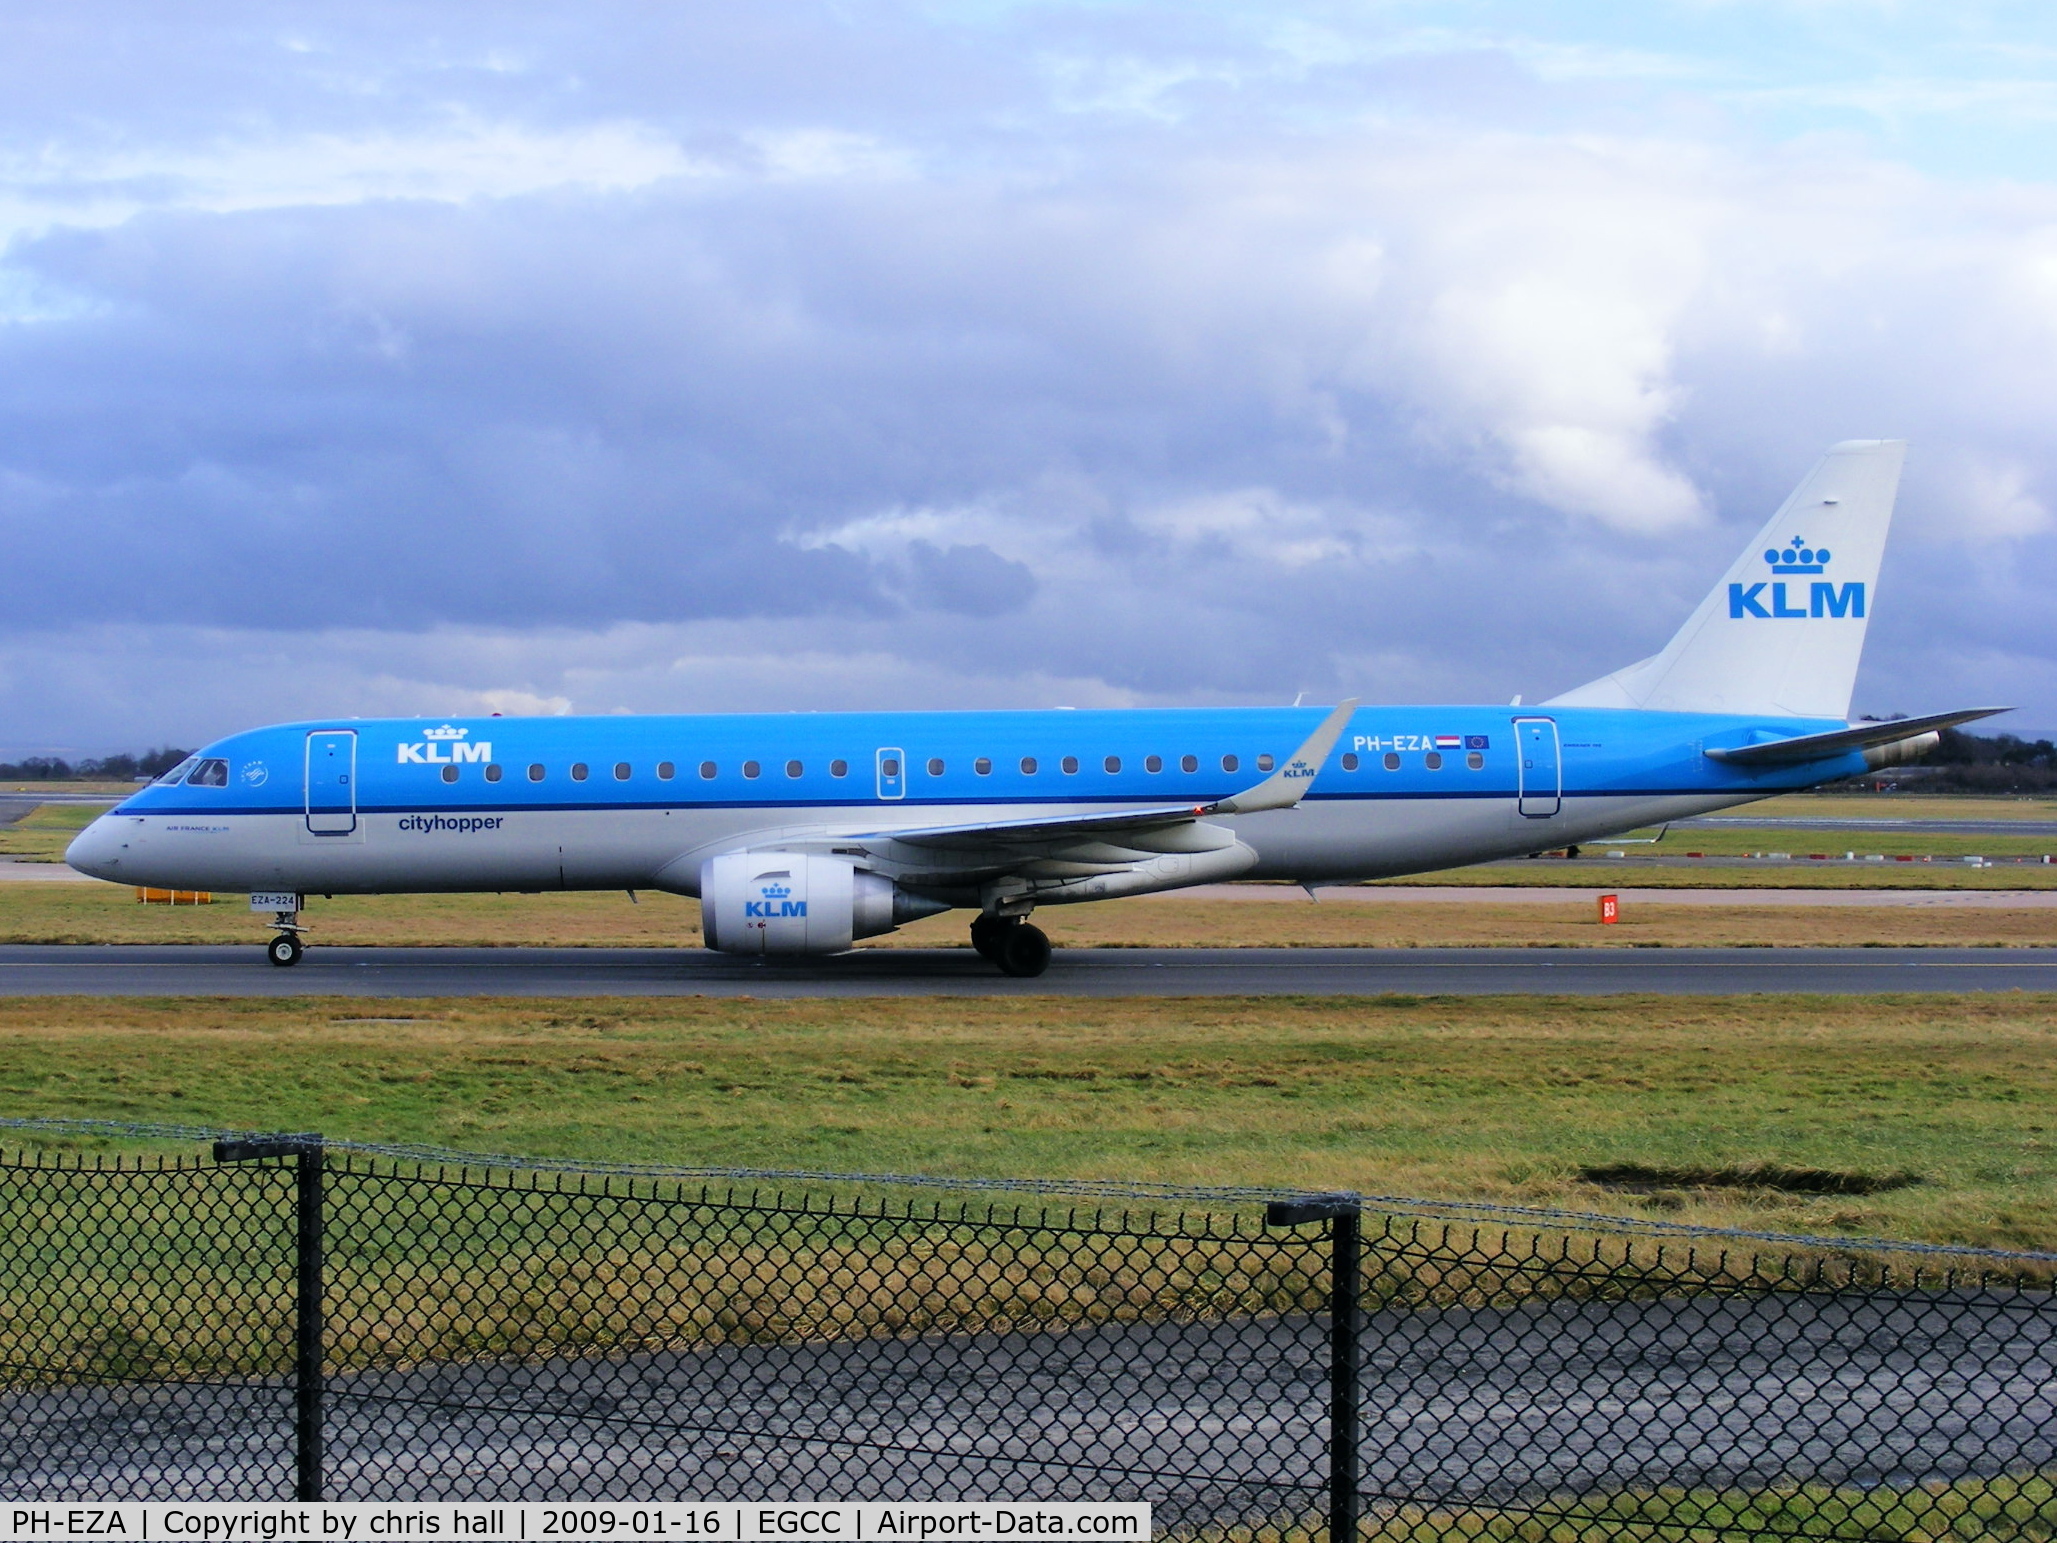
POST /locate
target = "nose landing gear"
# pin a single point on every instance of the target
(286, 948)
(1010, 942)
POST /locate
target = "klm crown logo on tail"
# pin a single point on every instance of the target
(1824, 598)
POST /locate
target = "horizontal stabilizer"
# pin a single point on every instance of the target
(1862, 736)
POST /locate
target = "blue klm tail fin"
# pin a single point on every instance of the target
(1783, 632)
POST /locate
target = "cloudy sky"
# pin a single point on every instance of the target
(376, 358)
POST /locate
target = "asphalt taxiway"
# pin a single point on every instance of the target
(1217, 1421)
(112, 971)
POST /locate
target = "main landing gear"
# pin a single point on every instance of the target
(1011, 943)
(286, 948)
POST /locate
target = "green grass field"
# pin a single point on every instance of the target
(1945, 1108)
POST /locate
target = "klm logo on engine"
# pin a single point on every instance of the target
(1825, 598)
(776, 903)
(429, 750)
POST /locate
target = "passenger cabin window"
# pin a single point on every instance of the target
(707, 770)
(449, 774)
(578, 771)
(1229, 763)
(839, 768)
(621, 771)
(1028, 766)
(751, 768)
(1265, 763)
(178, 773)
(1113, 764)
(794, 768)
(209, 774)
(1349, 760)
(495, 771)
(535, 774)
(1433, 760)
(935, 766)
(1153, 763)
(1189, 763)
(1392, 761)
(1071, 766)
(1475, 761)
(890, 766)
(666, 771)
(983, 766)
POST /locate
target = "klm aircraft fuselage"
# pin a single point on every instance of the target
(630, 803)
(800, 833)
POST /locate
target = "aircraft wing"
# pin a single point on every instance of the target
(1281, 790)
(1861, 736)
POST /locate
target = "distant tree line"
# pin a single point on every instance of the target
(1972, 763)
(1997, 763)
(113, 768)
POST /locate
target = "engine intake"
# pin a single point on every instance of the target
(798, 903)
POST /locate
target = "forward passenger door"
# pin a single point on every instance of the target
(331, 785)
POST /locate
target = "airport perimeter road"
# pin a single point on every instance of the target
(27, 970)
(1911, 826)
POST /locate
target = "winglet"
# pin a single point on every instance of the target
(1284, 787)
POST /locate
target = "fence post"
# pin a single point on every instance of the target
(1344, 1214)
(1345, 1289)
(309, 1185)
(310, 1169)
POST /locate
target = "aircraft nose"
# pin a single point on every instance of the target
(98, 848)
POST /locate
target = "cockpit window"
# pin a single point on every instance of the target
(178, 773)
(209, 774)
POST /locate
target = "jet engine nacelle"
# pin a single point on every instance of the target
(797, 903)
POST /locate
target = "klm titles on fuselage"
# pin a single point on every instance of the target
(1824, 598)
(428, 750)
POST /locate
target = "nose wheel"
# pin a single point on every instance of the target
(1018, 948)
(285, 949)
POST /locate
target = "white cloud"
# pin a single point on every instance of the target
(1994, 502)
(463, 158)
(1259, 525)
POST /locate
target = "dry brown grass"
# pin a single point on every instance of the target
(67, 913)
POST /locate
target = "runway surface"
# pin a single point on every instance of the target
(1220, 1420)
(31, 970)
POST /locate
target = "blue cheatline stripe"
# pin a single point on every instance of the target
(1111, 800)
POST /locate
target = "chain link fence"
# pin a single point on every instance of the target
(281, 1317)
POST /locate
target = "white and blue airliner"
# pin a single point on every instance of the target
(801, 833)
